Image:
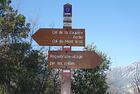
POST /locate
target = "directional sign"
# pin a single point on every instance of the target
(73, 59)
(60, 37)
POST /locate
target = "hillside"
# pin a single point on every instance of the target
(124, 80)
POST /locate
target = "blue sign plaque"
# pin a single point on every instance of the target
(67, 9)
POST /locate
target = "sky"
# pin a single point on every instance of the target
(112, 25)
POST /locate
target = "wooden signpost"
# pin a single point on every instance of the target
(73, 59)
(60, 37)
(66, 36)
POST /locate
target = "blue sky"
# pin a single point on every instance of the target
(113, 25)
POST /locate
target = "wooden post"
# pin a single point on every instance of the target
(66, 82)
(66, 73)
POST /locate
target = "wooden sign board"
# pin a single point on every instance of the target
(73, 59)
(60, 37)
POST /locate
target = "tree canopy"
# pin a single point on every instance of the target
(23, 70)
(91, 81)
